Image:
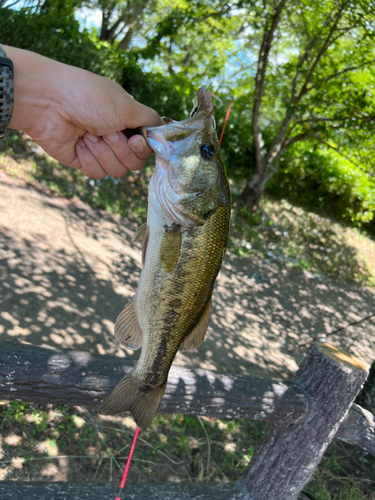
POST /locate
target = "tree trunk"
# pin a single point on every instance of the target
(252, 193)
(288, 454)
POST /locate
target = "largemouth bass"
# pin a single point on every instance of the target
(184, 242)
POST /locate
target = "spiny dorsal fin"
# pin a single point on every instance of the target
(142, 234)
(170, 248)
(127, 329)
(196, 337)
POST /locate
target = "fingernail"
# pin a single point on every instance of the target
(137, 145)
(92, 138)
(114, 137)
(81, 143)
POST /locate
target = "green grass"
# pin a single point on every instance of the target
(295, 238)
(174, 448)
(203, 449)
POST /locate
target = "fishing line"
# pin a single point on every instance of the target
(332, 333)
(225, 121)
(124, 476)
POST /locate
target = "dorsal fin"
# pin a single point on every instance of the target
(127, 329)
(196, 336)
(142, 234)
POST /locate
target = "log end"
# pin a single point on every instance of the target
(341, 357)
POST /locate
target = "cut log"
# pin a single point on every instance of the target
(288, 454)
(358, 428)
(40, 375)
(64, 491)
(140, 491)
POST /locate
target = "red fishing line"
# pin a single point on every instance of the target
(122, 484)
(225, 121)
(123, 480)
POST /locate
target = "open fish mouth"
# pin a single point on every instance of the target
(174, 137)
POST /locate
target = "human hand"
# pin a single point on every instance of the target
(77, 116)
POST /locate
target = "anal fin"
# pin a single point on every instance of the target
(127, 329)
(196, 336)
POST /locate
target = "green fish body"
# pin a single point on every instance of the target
(183, 247)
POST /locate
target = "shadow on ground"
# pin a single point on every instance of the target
(66, 272)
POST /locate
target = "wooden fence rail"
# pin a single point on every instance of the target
(305, 413)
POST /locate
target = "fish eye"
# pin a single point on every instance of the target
(207, 151)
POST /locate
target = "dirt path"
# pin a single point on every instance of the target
(66, 271)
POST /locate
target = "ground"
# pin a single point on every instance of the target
(67, 270)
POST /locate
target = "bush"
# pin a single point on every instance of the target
(321, 179)
(52, 35)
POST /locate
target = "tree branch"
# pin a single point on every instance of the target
(339, 73)
(321, 51)
(260, 81)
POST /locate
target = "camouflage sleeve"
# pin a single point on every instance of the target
(6, 91)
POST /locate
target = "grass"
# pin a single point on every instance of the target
(295, 238)
(74, 444)
(187, 448)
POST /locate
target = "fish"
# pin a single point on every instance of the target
(183, 245)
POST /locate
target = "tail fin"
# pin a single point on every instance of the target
(126, 396)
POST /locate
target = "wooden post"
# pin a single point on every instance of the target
(288, 454)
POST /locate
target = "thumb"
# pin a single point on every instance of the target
(139, 115)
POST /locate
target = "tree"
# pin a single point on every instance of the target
(319, 87)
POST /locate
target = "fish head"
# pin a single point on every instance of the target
(189, 179)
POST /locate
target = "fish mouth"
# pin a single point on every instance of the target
(167, 140)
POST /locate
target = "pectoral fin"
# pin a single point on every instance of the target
(196, 337)
(127, 329)
(170, 248)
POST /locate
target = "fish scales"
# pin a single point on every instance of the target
(184, 244)
(182, 294)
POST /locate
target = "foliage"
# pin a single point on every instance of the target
(156, 91)
(318, 82)
(294, 238)
(321, 180)
(55, 34)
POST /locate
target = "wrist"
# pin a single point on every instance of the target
(6, 91)
(31, 85)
